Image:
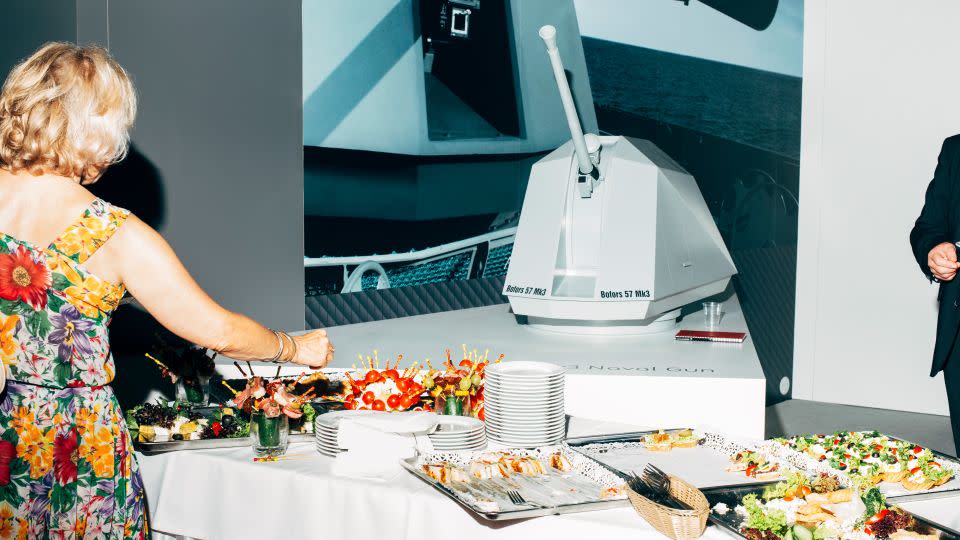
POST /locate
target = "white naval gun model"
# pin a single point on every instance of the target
(614, 236)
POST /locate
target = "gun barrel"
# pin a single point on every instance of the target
(549, 36)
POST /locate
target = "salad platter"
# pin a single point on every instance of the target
(702, 459)
(520, 483)
(816, 507)
(901, 470)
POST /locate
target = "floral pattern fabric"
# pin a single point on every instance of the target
(67, 468)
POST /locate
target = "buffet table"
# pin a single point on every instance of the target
(213, 494)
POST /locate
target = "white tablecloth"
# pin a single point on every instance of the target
(212, 494)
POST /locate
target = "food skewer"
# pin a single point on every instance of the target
(240, 369)
(230, 388)
(159, 363)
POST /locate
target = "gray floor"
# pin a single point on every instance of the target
(799, 416)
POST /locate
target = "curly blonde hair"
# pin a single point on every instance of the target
(66, 110)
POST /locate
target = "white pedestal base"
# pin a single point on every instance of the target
(651, 380)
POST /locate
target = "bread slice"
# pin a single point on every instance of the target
(916, 486)
(894, 476)
(659, 447)
(764, 476)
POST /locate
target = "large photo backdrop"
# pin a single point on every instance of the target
(422, 119)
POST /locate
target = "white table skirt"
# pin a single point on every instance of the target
(212, 494)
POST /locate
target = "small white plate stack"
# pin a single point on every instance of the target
(326, 427)
(458, 433)
(523, 403)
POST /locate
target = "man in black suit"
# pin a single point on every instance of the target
(932, 239)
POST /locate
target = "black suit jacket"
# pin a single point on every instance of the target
(939, 221)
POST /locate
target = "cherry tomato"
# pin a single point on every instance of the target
(481, 415)
(403, 384)
(466, 363)
(378, 406)
(391, 374)
(350, 405)
(917, 449)
(408, 401)
(368, 397)
(415, 388)
(393, 401)
(426, 407)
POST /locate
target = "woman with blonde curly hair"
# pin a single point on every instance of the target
(66, 259)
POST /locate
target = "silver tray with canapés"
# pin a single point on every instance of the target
(549, 480)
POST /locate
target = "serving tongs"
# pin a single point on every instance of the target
(654, 484)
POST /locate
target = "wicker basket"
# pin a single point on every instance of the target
(677, 524)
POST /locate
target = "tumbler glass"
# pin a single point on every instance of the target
(269, 436)
(713, 312)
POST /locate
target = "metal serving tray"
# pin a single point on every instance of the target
(894, 492)
(411, 465)
(702, 466)
(206, 444)
(731, 522)
(322, 406)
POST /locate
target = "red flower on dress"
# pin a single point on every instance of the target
(7, 453)
(65, 457)
(22, 278)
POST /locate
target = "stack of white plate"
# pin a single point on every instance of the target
(326, 428)
(458, 433)
(523, 403)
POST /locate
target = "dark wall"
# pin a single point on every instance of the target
(217, 158)
(217, 165)
(25, 25)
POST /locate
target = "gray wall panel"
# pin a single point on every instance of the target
(93, 22)
(220, 125)
(27, 24)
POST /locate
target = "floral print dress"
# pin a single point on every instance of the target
(67, 468)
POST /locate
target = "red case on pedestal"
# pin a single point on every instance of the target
(707, 335)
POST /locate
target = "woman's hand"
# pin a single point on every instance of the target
(313, 349)
(942, 261)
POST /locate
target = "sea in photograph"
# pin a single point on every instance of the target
(749, 106)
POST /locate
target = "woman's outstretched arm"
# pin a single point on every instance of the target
(154, 275)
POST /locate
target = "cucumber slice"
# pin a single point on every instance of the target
(789, 535)
(801, 533)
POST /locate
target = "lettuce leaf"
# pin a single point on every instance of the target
(762, 518)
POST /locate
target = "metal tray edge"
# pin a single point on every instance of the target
(409, 464)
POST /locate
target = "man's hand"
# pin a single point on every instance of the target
(942, 261)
